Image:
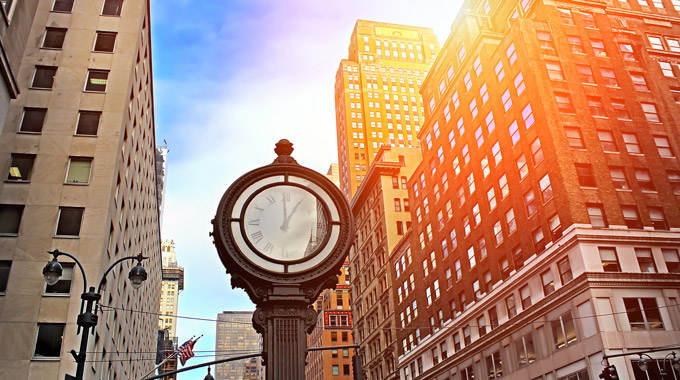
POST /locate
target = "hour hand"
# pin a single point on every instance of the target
(284, 226)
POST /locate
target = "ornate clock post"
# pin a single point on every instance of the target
(282, 232)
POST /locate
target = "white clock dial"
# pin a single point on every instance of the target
(285, 223)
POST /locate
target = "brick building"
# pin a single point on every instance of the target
(545, 208)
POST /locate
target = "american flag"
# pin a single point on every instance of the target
(186, 350)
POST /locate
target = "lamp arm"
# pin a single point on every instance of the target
(57, 252)
(139, 258)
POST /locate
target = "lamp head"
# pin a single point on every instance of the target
(52, 271)
(137, 275)
(675, 362)
(642, 363)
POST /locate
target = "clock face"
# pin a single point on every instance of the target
(285, 222)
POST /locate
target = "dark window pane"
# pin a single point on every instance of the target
(88, 123)
(69, 221)
(63, 5)
(10, 217)
(20, 169)
(105, 42)
(4, 274)
(54, 38)
(49, 340)
(112, 7)
(96, 80)
(33, 119)
(44, 77)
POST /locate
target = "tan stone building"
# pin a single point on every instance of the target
(376, 94)
(172, 285)
(381, 213)
(78, 152)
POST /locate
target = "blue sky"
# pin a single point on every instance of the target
(231, 78)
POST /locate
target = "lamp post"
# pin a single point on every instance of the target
(88, 318)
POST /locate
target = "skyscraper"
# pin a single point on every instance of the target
(381, 213)
(235, 336)
(78, 146)
(376, 94)
(172, 286)
(545, 209)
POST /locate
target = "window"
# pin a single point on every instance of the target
(663, 146)
(63, 286)
(564, 330)
(88, 123)
(526, 351)
(610, 261)
(500, 73)
(79, 170)
(596, 215)
(565, 270)
(554, 70)
(519, 84)
(545, 42)
(547, 282)
(574, 138)
(5, 267)
(607, 141)
(631, 217)
(503, 185)
(522, 167)
(620, 109)
(627, 52)
(54, 38)
(644, 180)
(105, 42)
(70, 219)
(33, 120)
(525, 296)
(575, 44)
(566, 16)
(336, 369)
(585, 175)
(586, 74)
(564, 104)
(511, 53)
(639, 82)
(536, 151)
(49, 340)
(510, 221)
(513, 130)
(631, 142)
(598, 47)
(658, 218)
(643, 314)
(618, 178)
(672, 259)
(609, 77)
(555, 225)
(674, 179)
(645, 260)
(20, 167)
(97, 80)
(510, 306)
(494, 365)
(43, 77)
(546, 188)
(62, 6)
(666, 69)
(596, 106)
(112, 7)
(10, 218)
(507, 101)
(650, 112)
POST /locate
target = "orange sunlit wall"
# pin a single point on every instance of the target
(376, 94)
(538, 116)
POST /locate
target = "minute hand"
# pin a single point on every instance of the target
(284, 226)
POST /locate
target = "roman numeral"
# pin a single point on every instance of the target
(260, 209)
(256, 236)
(254, 222)
(268, 248)
(271, 199)
(286, 196)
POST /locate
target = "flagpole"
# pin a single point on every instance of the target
(174, 353)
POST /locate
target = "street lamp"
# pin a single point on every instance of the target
(88, 319)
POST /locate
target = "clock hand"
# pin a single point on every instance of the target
(284, 226)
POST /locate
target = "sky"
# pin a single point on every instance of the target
(231, 78)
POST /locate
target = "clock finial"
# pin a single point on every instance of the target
(283, 149)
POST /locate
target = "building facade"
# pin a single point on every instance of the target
(376, 94)
(381, 210)
(79, 153)
(545, 209)
(171, 286)
(333, 328)
(235, 336)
